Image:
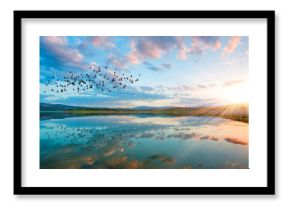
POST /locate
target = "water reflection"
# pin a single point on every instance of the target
(142, 142)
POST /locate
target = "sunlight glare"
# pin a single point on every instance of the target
(237, 94)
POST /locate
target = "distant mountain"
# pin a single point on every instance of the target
(61, 107)
(151, 108)
(56, 107)
(237, 112)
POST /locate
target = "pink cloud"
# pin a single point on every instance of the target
(57, 40)
(133, 56)
(71, 55)
(232, 44)
(103, 41)
(199, 44)
(58, 48)
(196, 45)
(182, 49)
(154, 47)
(217, 45)
(117, 61)
(150, 47)
(182, 54)
(146, 47)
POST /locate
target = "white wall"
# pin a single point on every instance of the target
(282, 99)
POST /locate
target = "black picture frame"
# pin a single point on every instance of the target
(268, 190)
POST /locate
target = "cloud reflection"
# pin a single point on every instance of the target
(236, 141)
(132, 142)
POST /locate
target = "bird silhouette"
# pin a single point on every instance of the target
(100, 79)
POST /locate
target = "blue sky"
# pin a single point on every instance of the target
(174, 70)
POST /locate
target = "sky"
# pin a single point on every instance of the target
(179, 71)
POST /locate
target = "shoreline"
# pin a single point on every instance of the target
(76, 113)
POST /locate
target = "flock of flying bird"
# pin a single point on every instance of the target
(98, 78)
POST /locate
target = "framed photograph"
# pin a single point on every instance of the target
(144, 102)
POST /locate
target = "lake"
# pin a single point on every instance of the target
(144, 142)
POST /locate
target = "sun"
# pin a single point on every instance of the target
(236, 93)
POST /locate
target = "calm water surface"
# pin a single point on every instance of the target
(143, 141)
